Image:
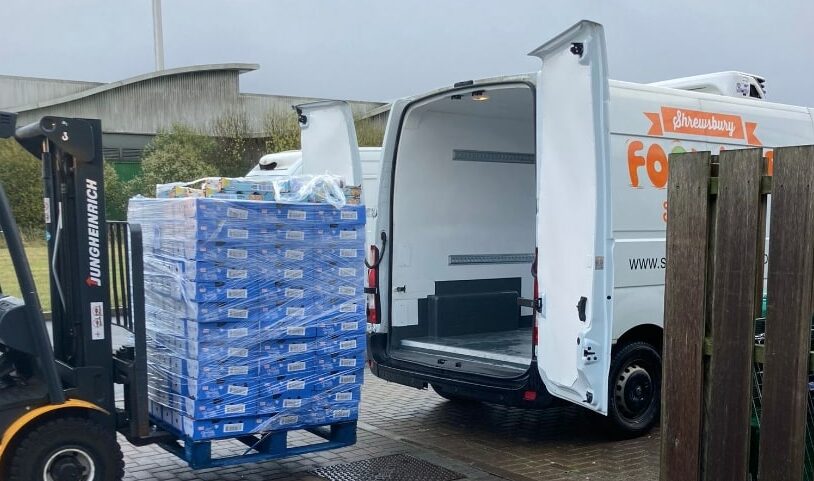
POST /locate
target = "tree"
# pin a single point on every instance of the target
(177, 155)
(21, 177)
(117, 193)
(233, 143)
(281, 132)
(369, 134)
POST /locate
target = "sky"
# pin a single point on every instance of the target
(381, 50)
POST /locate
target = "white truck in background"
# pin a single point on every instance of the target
(282, 164)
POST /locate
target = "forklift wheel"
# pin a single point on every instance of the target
(67, 449)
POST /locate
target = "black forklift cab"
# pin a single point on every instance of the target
(51, 397)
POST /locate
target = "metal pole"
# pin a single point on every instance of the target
(158, 35)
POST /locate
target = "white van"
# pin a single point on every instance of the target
(282, 164)
(521, 227)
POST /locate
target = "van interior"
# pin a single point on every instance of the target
(463, 220)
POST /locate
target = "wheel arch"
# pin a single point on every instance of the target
(649, 333)
(29, 420)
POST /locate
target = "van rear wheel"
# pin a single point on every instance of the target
(634, 389)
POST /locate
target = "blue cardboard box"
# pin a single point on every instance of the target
(343, 234)
(334, 413)
(300, 213)
(342, 324)
(215, 389)
(282, 348)
(161, 361)
(226, 312)
(342, 306)
(240, 291)
(290, 402)
(241, 350)
(348, 255)
(294, 235)
(288, 365)
(205, 429)
(342, 360)
(288, 419)
(339, 395)
(220, 331)
(349, 214)
(295, 312)
(340, 290)
(227, 406)
(343, 379)
(333, 275)
(341, 344)
(275, 330)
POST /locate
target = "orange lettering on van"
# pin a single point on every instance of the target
(634, 161)
(657, 166)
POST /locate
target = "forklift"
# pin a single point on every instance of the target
(58, 412)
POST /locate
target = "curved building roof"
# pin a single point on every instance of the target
(193, 69)
(197, 96)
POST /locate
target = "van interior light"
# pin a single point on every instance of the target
(479, 96)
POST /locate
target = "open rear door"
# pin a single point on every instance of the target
(574, 268)
(328, 139)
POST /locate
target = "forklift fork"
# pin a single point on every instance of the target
(130, 362)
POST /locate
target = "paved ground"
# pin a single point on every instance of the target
(482, 442)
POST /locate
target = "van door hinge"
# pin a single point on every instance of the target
(536, 304)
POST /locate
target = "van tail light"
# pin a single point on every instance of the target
(373, 287)
(534, 330)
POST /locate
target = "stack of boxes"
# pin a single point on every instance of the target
(255, 313)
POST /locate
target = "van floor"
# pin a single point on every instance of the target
(509, 347)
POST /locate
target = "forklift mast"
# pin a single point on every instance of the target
(82, 365)
(76, 232)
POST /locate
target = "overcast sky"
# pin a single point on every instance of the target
(381, 50)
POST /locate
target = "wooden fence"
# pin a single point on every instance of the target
(717, 217)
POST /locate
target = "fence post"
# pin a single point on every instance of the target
(684, 315)
(737, 257)
(788, 321)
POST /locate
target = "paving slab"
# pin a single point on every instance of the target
(482, 442)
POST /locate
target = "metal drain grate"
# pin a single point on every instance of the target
(396, 467)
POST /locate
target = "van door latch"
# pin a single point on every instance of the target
(589, 356)
(401, 288)
(581, 308)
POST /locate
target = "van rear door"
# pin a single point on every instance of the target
(328, 140)
(574, 267)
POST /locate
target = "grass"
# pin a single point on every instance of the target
(37, 252)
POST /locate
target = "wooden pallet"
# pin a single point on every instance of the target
(263, 446)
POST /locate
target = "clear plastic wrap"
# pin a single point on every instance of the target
(324, 188)
(255, 313)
